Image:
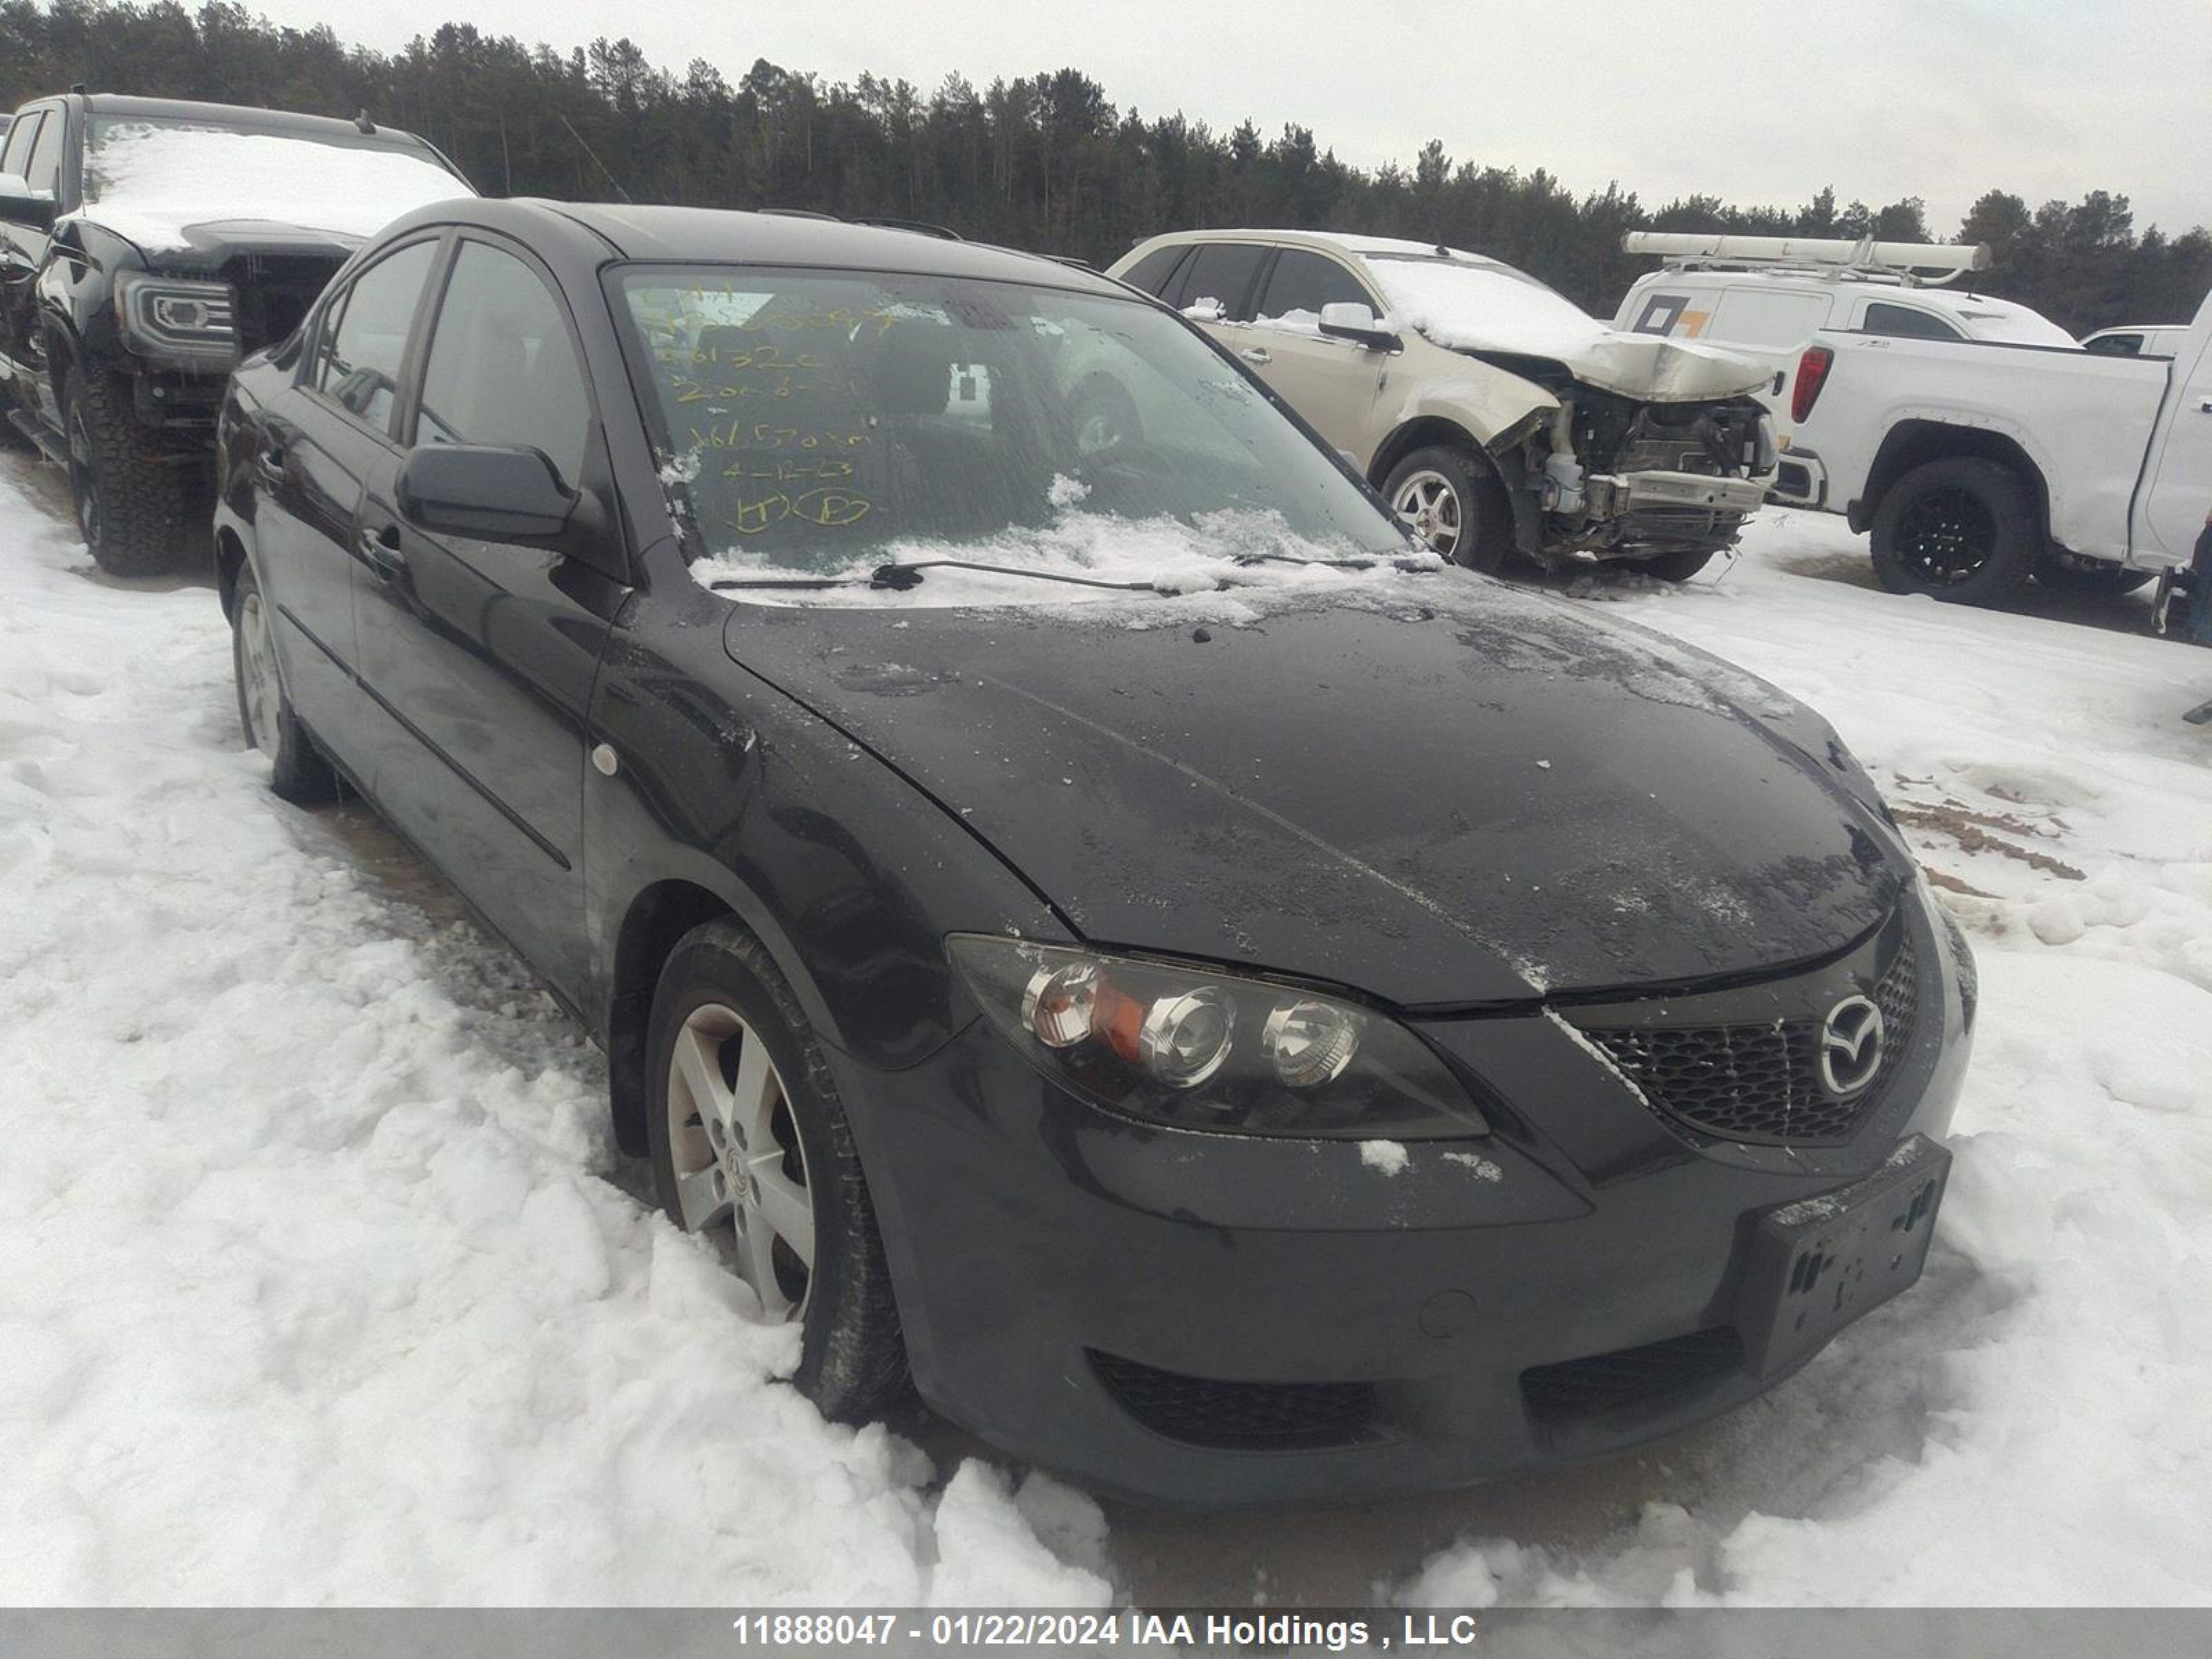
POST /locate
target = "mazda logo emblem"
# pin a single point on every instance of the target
(1851, 1045)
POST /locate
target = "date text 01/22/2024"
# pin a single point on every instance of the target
(1132, 1626)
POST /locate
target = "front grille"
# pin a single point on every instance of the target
(1761, 1083)
(274, 292)
(1576, 1390)
(1238, 1416)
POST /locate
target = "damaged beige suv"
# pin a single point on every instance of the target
(1508, 425)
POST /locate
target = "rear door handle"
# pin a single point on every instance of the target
(2204, 405)
(380, 547)
(1256, 354)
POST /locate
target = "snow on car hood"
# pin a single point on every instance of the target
(1479, 305)
(157, 185)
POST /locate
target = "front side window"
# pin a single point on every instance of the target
(357, 364)
(20, 138)
(823, 421)
(1908, 323)
(44, 169)
(501, 369)
(1151, 272)
(2117, 345)
(1304, 281)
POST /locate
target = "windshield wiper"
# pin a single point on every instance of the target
(903, 574)
(1412, 564)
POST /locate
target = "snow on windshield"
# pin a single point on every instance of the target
(150, 180)
(1219, 560)
(1460, 304)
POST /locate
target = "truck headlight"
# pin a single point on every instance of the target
(166, 317)
(1198, 1049)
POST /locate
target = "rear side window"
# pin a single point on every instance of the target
(501, 369)
(1303, 281)
(1764, 317)
(1151, 272)
(1222, 272)
(1908, 323)
(19, 139)
(44, 171)
(357, 364)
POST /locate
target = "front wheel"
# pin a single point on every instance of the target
(1963, 530)
(1678, 566)
(1457, 505)
(750, 1145)
(298, 771)
(129, 496)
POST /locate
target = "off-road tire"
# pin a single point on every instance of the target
(1484, 537)
(852, 1360)
(2100, 580)
(299, 772)
(1974, 515)
(129, 496)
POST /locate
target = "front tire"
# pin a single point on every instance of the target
(1963, 530)
(298, 771)
(1678, 566)
(1457, 505)
(749, 1141)
(129, 496)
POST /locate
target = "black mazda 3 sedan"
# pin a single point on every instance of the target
(1091, 922)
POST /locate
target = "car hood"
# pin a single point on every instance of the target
(1445, 794)
(1644, 367)
(182, 247)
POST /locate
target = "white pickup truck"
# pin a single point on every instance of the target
(1978, 455)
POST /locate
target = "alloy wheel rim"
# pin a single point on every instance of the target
(1428, 500)
(739, 1163)
(1947, 536)
(264, 697)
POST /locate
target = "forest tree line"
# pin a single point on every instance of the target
(1049, 162)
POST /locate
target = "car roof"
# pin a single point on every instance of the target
(732, 236)
(243, 115)
(1333, 241)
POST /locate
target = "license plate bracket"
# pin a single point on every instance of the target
(1818, 1264)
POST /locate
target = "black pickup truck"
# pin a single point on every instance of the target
(145, 246)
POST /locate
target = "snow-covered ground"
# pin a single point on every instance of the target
(321, 1281)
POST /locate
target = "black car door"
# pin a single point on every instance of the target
(37, 133)
(319, 441)
(484, 653)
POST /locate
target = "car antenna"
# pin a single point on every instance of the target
(596, 162)
(362, 125)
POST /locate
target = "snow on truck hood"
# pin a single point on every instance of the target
(1465, 303)
(159, 187)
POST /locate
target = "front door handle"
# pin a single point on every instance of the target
(1258, 355)
(2204, 405)
(380, 547)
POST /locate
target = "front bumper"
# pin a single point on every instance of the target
(1209, 1321)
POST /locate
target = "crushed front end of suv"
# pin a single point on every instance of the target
(1506, 423)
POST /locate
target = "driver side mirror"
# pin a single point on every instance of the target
(22, 205)
(493, 495)
(1347, 319)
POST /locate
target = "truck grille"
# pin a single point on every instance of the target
(1761, 1083)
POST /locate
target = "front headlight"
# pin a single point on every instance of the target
(165, 317)
(1197, 1049)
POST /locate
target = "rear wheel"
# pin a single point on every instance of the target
(2070, 573)
(1457, 505)
(129, 495)
(750, 1145)
(298, 771)
(1963, 530)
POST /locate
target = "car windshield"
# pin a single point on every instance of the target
(821, 423)
(150, 177)
(1463, 302)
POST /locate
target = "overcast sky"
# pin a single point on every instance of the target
(1754, 102)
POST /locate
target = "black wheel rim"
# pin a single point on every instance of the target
(1947, 536)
